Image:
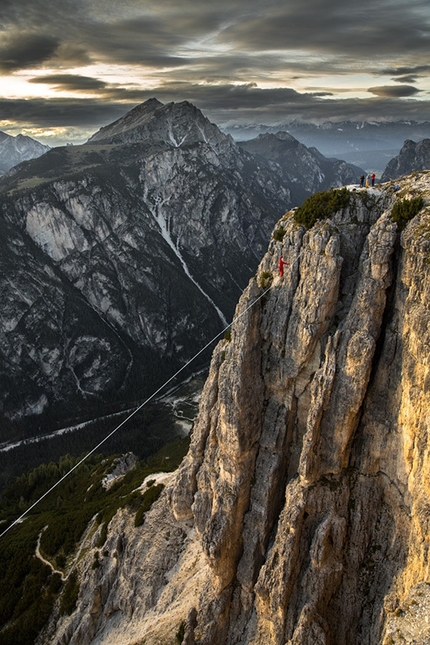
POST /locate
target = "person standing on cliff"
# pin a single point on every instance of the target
(281, 265)
(361, 181)
(373, 179)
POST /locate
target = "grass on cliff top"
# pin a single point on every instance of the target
(28, 587)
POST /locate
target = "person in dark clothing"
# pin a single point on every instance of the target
(361, 181)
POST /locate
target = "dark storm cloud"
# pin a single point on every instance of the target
(165, 34)
(144, 41)
(98, 111)
(416, 70)
(71, 55)
(71, 82)
(405, 79)
(238, 97)
(44, 113)
(77, 119)
(100, 31)
(222, 101)
(394, 91)
(245, 104)
(26, 50)
(360, 30)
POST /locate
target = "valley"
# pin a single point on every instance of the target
(169, 416)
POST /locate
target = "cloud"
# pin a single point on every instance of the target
(53, 113)
(146, 40)
(70, 82)
(26, 50)
(220, 56)
(358, 31)
(394, 91)
(239, 97)
(405, 79)
(70, 54)
(223, 104)
(81, 30)
(226, 38)
(401, 71)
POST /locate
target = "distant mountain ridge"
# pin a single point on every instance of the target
(332, 137)
(368, 144)
(13, 150)
(305, 170)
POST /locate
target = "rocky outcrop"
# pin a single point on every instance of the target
(413, 156)
(303, 500)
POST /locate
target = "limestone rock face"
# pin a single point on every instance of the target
(303, 499)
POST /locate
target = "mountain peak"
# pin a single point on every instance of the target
(14, 150)
(131, 120)
(172, 124)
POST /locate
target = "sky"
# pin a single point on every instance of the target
(68, 67)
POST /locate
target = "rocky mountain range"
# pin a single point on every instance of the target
(369, 144)
(304, 169)
(13, 150)
(300, 515)
(121, 257)
(412, 156)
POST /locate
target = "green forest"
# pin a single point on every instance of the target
(28, 587)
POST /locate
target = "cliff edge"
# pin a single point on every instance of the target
(300, 515)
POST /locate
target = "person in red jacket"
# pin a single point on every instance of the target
(281, 265)
(373, 179)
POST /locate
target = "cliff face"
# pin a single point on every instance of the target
(300, 515)
(412, 156)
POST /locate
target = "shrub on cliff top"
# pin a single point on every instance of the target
(405, 209)
(321, 205)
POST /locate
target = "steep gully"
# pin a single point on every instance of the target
(163, 222)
